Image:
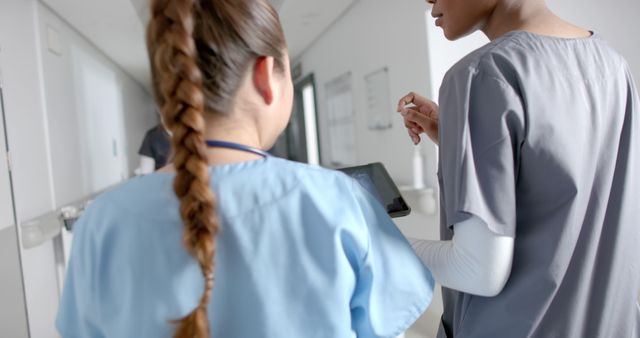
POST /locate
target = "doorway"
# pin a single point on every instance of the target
(300, 141)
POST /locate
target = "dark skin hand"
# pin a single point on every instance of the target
(420, 115)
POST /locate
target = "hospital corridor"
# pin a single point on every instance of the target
(296, 168)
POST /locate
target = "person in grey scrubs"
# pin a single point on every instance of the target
(539, 135)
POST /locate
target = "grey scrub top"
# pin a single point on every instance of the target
(540, 138)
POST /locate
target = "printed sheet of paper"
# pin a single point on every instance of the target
(341, 121)
(380, 111)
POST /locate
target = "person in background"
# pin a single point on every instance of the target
(293, 250)
(155, 150)
(539, 135)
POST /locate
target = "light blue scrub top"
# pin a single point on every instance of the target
(303, 252)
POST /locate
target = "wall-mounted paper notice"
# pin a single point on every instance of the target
(380, 112)
(341, 121)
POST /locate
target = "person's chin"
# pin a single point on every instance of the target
(455, 34)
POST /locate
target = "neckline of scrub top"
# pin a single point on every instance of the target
(593, 36)
(220, 168)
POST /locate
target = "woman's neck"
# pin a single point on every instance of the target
(245, 134)
(228, 131)
(530, 16)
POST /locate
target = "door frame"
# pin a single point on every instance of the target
(298, 96)
(14, 214)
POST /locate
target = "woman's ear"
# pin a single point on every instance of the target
(263, 78)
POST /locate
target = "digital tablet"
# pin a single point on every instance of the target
(375, 179)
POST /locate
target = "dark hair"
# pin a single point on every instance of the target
(200, 52)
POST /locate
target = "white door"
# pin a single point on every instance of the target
(13, 312)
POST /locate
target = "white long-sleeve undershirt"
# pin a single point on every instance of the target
(476, 261)
(147, 165)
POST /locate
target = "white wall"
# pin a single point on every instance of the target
(27, 140)
(6, 202)
(44, 103)
(443, 54)
(97, 114)
(13, 315)
(371, 35)
(13, 319)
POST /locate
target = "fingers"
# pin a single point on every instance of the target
(414, 127)
(428, 108)
(406, 100)
(420, 115)
(414, 130)
(422, 120)
(415, 138)
(411, 98)
(431, 110)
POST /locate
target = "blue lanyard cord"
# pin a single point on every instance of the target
(236, 146)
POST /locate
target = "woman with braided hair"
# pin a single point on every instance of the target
(299, 251)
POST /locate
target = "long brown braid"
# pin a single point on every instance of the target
(180, 87)
(200, 51)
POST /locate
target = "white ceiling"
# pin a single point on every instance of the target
(113, 26)
(305, 20)
(116, 26)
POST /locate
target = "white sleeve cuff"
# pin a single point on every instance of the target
(476, 261)
(147, 166)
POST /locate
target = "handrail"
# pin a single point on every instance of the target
(46, 227)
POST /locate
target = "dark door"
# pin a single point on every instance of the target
(300, 140)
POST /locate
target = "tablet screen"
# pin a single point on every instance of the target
(375, 179)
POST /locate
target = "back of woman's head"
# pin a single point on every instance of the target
(200, 52)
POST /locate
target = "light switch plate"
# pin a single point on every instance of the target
(53, 41)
